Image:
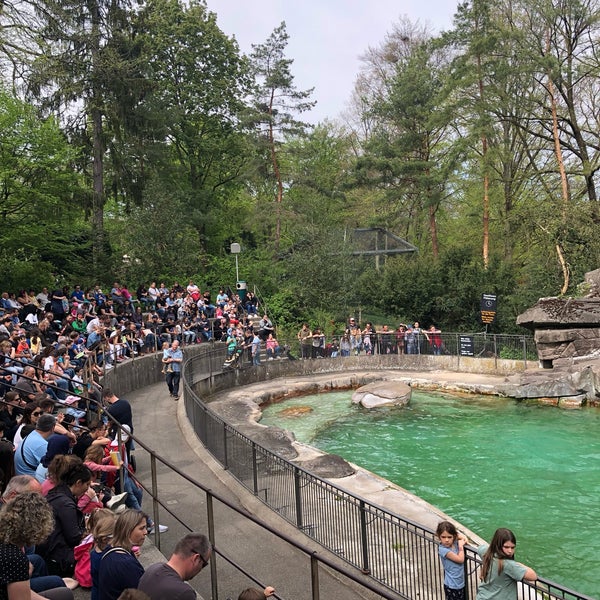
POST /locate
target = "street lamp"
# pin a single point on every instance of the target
(236, 249)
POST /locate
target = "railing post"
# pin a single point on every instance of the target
(210, 517)
(366, 569)
(254, 469)
(155, 499)
(298, 498)
(225, 461)
(525, 351)
(314, 576)
(495, 352)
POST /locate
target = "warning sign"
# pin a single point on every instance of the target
(488, 308)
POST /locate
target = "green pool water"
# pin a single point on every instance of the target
(487, 462)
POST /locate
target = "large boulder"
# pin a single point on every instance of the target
(382, 393)
(566, 327)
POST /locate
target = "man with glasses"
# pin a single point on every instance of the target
(168, 580)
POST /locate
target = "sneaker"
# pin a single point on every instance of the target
(70, 583)
(116, 502)
(175, 397)
(161, 529)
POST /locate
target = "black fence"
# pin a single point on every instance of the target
(396, 552)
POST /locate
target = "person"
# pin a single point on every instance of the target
(256, 594)
(100, 527)
(272, 346)
(27, 384)
(173, 358)
(500, 571)
(17, 532)
(434, 337)
(119, 565)
(58, 445)
(31, 413)
(120, 410)
(33, 448)
(256, 349)
(167, 580)
(265, 327)
(20, 484)
(69, 528)
(452, 554)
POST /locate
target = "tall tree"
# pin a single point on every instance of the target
(84, 57)
(276, 103)
(199, 84)
(408, 156)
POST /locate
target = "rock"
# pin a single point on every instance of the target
(561, 313)
(295, 411)
(382, 393)
(566, 327)
(328, 466)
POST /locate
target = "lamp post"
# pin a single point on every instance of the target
(236, 249)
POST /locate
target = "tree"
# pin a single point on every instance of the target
(408, 156)
(84, 57)
(199, 82)
(276, 102)
(38, 193)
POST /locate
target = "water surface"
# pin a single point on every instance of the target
(487, 462)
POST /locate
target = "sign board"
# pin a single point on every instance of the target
(467, 347)
(488, 308)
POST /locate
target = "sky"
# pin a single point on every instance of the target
(327, 37)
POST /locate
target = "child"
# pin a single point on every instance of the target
(83, 572)
(500, 571)
(256, 594)
(102, 532)
(452, 554)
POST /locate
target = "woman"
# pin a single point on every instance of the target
(119, 566)
(31, 413)
(272, 346)
(69, 525)
(500, 572)
(17, 532)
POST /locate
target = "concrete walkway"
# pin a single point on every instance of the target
(161, 423)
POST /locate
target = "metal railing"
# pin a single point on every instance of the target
(396, 552)
(481, 345)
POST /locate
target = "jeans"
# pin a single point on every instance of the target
(173, 382)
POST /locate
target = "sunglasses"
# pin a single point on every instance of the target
(204, 561)
(36, 413)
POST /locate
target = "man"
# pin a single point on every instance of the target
(167, 580)
(19, 484)
(172, 358)
(119, 409)
(27, 385)
(33, 448)
(256, 350)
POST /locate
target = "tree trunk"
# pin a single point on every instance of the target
(486, 182)
(564, 183)
(277, 173)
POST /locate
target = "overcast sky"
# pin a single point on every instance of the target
(326, 36)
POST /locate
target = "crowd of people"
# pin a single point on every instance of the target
(405, 339)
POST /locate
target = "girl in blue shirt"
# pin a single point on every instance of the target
(452, 554)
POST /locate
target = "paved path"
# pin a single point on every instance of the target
(274, 562)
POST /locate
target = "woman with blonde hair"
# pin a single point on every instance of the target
(25, 521)
(119, 566)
